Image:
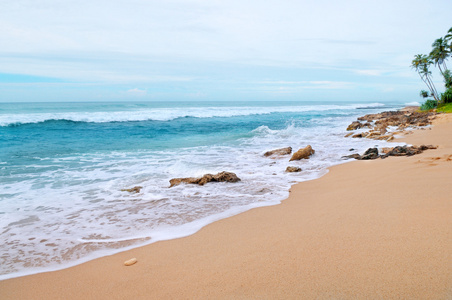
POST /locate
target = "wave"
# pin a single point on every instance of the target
(168, 114)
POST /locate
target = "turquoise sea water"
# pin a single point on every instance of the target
(63, 165)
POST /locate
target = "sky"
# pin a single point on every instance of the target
(209, 50)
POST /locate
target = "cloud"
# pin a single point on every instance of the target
(370, 72)
(137, 92)
(299, 85)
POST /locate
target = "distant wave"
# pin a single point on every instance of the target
(412, 103)
(168, 114)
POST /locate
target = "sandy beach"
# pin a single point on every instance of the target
(379, 229)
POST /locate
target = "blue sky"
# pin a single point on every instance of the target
(141, 50)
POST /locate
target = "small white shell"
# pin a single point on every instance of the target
(130, 262)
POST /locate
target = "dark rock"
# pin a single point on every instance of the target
(282, 151)
(220, 177)
(355, 156)
(407, 150)
(426, 147)
(371, 153)
(135, 189)
(303, 153)
(293, 169)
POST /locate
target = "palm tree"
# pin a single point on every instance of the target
(421, 63)
(448, 36)
(424, 94)
(440, 53)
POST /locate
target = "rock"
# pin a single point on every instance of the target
(355, 156)
(384, 137)
(355, 125)
(130, 262)
(402, 151)
(408, 150)
(373, 135)
(135, 189)
(360, 135)
(303, 153)
(371, 153)
(282, 151)
(293, 169)
(386, 150)
(348, 134)
(220, 177)
(426, 147)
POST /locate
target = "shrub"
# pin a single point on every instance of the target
(446, 97)
(429, 104)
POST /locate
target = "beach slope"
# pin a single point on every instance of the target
(368, 229)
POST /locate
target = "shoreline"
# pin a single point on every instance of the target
(317, 243)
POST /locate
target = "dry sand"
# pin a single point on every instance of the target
(377, 229)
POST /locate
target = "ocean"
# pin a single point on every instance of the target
(63, 167)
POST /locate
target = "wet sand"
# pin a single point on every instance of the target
(379, 229)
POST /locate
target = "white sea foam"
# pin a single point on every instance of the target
(165, 114)
(415, 103)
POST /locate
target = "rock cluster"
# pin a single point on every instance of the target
(372, 153)
(303, 153)
(220, 177)
(378, 123)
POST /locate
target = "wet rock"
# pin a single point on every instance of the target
(293, 169)
(355, 125)
(373, 135)
(360, 135)
(371, 153)
(282, 151)
(355, 156)
(220, 177)
(385, 150)
(303, 153)
(135, 189)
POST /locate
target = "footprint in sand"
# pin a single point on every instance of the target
(431, 160)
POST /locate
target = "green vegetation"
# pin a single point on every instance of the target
(429, 104)
(442, 50)
(446, 108)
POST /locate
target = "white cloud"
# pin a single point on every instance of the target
(370, 72)
(137, 92)
(298, 85)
